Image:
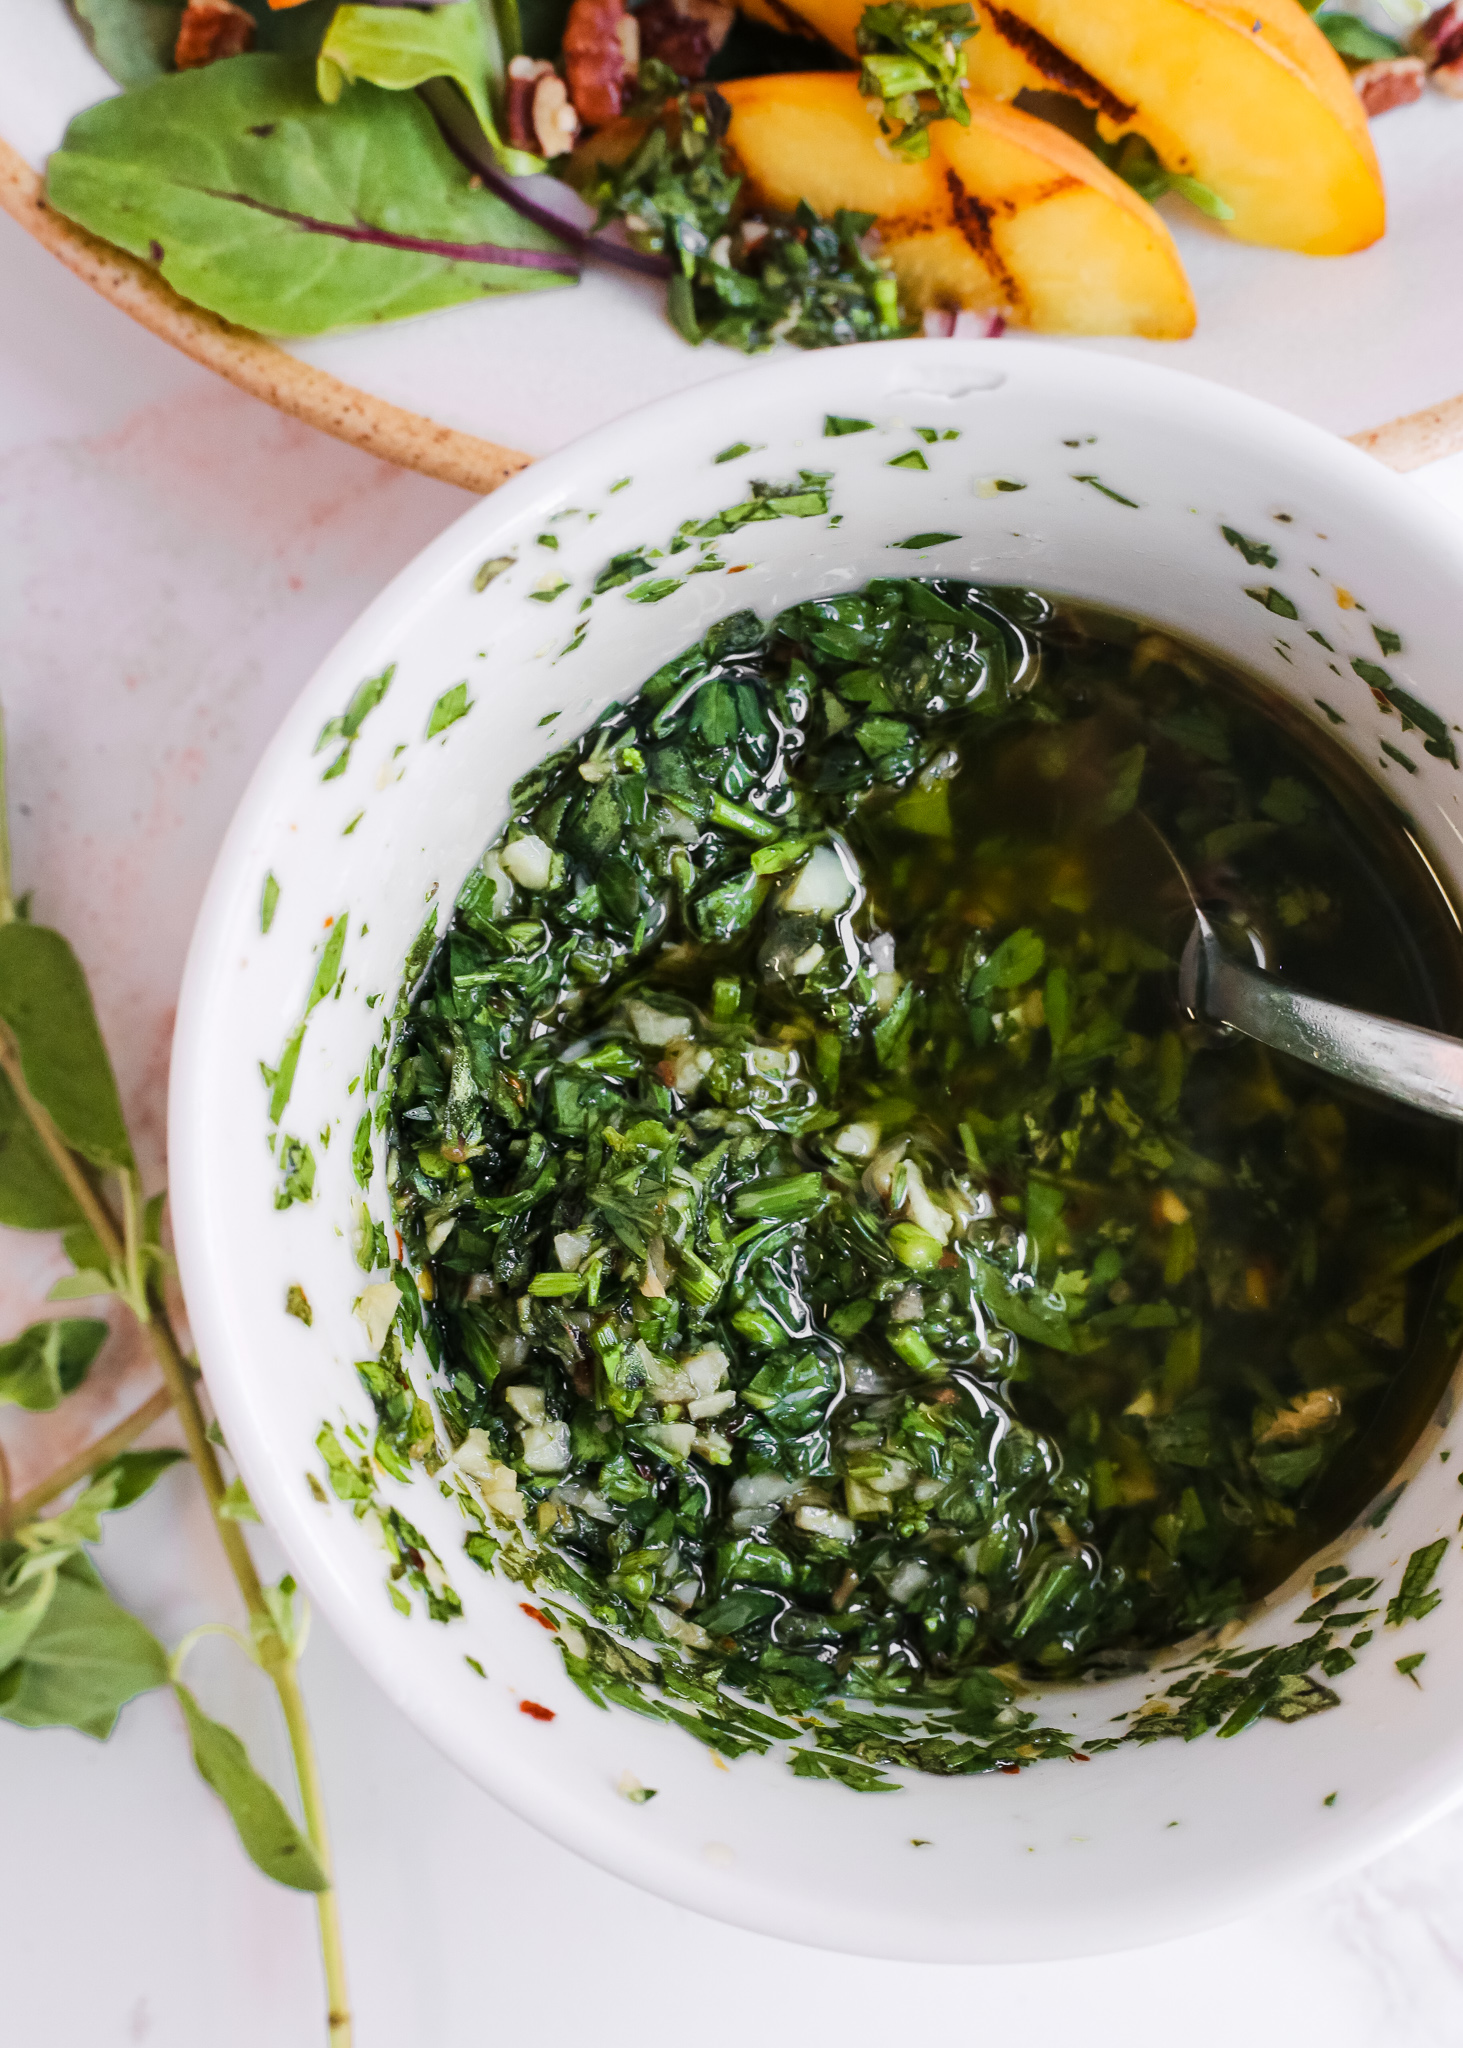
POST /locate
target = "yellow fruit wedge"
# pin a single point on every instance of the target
(1008, 215)
(1249, 99)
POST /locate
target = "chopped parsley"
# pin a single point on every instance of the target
(836, 1254)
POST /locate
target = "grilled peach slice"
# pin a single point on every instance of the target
(1248, 98)
(1008, 215)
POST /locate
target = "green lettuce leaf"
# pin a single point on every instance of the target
(398, 48)
(132, 40)
(258, 201)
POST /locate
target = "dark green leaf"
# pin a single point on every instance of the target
(49, 1360)
(452, 704)
(737, 1610)
(47, 1004)
(1274, 601)
(297, 1171)
(84, 1661)
(281, 1079)
(132, 40)
(1356, 39)
(843, 1770)
(346, 725)
(269, 1836)
(1258, 553)
(254, 198)
(134, 1473)
(1107, 491)
(1413, 1601)
(32, 1194)
(1017, 959)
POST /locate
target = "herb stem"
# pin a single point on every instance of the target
(307, 1774)
(123, 1251)
(13, 1513)
(178, 1379)
(78, 1184)
(464, 137)
(132, 1236)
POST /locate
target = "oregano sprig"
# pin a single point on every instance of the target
(70, 1655)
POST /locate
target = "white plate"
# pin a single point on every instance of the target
(1348, 342)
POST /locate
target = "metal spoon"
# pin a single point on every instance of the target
(1403, 1061)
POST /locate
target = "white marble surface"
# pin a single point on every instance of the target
(173, 561)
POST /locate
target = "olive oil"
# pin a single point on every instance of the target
(840, 1240)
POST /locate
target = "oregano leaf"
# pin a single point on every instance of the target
(136, 1473)
(84, 1660)
(269, 1836)
(45, 1001)
(47, 1361)
(22, 1607)
(33, 1195)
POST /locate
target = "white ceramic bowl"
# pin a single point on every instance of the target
(1128, 475)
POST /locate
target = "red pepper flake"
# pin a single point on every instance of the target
(400, 1248)
(1078, 1758)
(534, 1711)
(1010, 1770)
(737, 568)
(537, 1614)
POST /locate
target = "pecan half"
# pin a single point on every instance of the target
(601, 57)
(1390, 82)
(685, 34)
(209, 30)
(1439, 43)
(540, 117)
(1439, 39)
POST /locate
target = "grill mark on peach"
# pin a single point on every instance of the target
(1055, 65)
(973, 218)
(793, 22)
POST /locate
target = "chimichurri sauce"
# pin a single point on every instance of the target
(839, 1251)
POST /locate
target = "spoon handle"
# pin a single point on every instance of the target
(1423, 1068)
